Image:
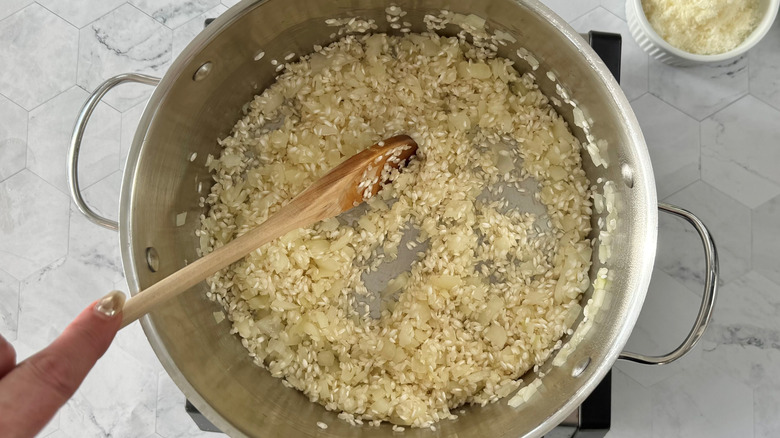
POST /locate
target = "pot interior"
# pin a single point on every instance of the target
(186, 115)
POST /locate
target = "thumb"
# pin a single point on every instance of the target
(33, 392)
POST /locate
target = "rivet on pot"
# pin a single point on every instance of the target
(628, 175)
(580, 367)
(202, 71)
(152, 260)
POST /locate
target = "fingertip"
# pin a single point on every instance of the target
(110, 305)
(94, 329)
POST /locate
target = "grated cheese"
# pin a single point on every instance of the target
(705, 27)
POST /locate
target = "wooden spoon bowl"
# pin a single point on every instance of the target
(346, 186)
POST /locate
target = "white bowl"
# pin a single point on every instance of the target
(658, 48)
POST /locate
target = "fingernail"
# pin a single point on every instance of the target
(111, 304)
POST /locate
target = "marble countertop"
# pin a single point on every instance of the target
(712, 133)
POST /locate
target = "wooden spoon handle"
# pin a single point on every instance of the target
(298, 213)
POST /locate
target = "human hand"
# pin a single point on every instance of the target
(32, 391)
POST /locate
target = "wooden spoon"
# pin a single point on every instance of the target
(346, 186)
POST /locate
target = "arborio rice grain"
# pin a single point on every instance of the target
(492, 288)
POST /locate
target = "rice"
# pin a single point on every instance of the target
(492, 289)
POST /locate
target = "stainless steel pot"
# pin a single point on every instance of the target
(200, 98)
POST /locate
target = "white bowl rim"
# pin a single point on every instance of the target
(757, 35)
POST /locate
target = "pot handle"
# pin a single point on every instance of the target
(78, 135)
(708, 299)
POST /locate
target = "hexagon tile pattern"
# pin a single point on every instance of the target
(51, 126)
(123, 41)
(41, 61)
(33, 224)
(174, 13)
(764, 64)
(11, 6)
(766, 239)
(617, 7)
(52, 297)
(9, 306)
(666, 317)
(673, 142)
(13, 138)
(185, 33)
(104, 200)
(92, 412)
(699, 91)
(570, 10)
(702, 402)
(739, 154)
(678, 242)
(82, 12)
(95, 247)
(747, 318)
(742, 347)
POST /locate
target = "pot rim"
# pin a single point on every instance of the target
(631, 125)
